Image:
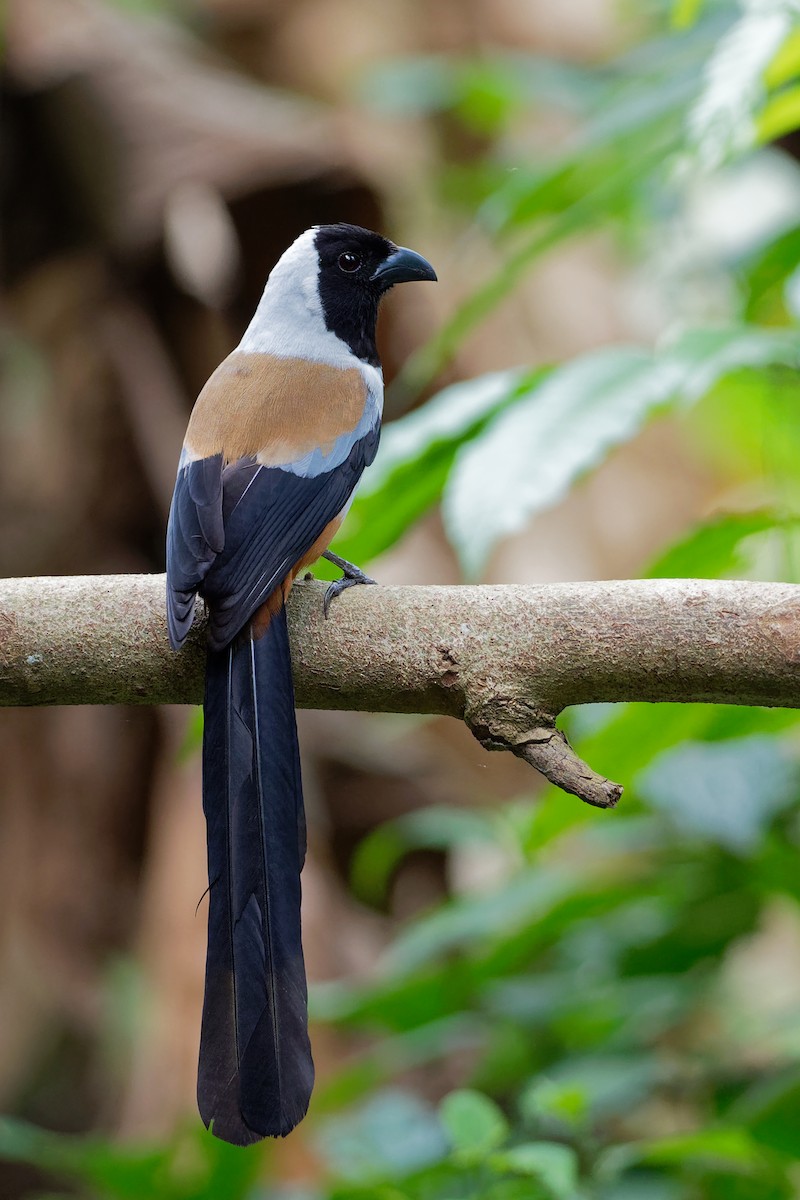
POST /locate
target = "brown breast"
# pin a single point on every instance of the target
(277, 408)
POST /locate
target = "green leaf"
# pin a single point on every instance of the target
(529, 456)
(474, 1123)
(561, 1101)
(415, 457)
(586, 212)
(747, 427)
(779, 116)
(645, 1185)
(633, 125)
(786, 63)
(713, 550)
(551, 1163)
(591, 1087)
(722, 122)
(193, 736)
(709, 1149)
(685, 13)
(528, 898)
(437, 83)
(194, 1165)
(704, 356)
(634, 734)
(393, 1134)
(490, 95)
(764, 273)
(532, 453)
(726, 791)
(770, 1109)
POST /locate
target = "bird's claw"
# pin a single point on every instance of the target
(339, 585)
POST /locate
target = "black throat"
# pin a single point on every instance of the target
(352, 316)
(349, 289)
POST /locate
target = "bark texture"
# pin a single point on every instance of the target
(507, 659)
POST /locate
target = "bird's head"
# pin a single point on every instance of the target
(330, 282)
(356, 268)
(352, 259)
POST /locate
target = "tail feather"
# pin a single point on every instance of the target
(256, 1071)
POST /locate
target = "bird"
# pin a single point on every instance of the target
(275, 446)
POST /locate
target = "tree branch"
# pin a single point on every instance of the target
(506, 659)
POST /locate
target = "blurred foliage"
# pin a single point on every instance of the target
(618, 999)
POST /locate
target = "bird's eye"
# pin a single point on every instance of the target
(349, 262)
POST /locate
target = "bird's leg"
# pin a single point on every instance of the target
(351, 575)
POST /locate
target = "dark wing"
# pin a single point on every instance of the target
(195, 536)
(271, 518)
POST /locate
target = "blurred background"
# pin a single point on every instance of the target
(513, 996)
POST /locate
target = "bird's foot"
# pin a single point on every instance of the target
(351, 575)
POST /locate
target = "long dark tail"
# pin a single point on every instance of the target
(256, 1072)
